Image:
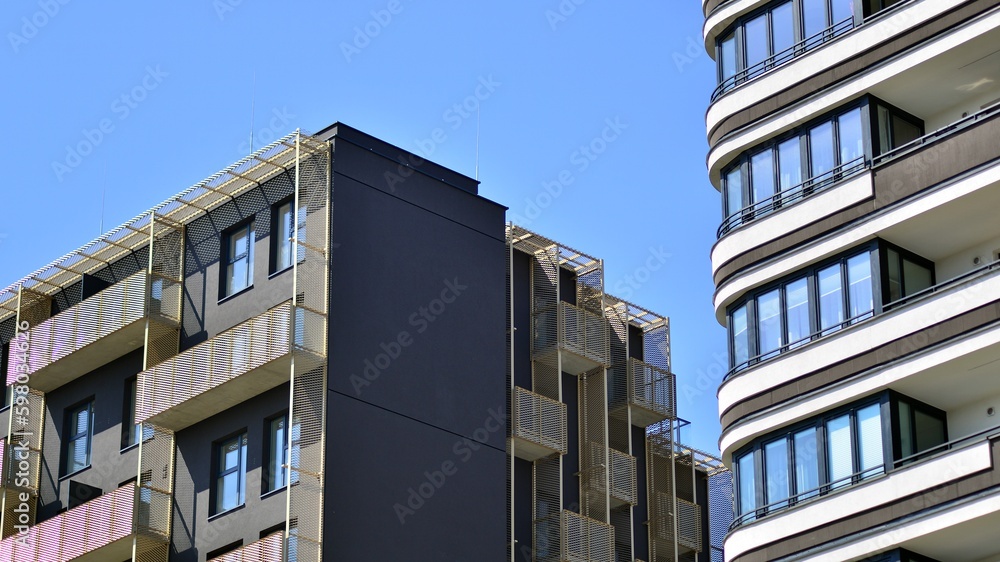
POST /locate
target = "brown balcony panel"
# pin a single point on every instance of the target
(232, 367)
(586, 539)
(92, 333)
(539, 426)
(101, 529)
(622, 478)
(267, 549)
(688, 522)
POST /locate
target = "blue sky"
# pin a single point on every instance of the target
(590, 118)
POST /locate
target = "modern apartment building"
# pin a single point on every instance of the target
(337, 350)
(856, 146)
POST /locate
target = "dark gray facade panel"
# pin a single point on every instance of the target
(417, 311)
(205, 314)
(194, 533)
(110, 467)
(523, 509)
(521, 275)
(571, 460)
(640, 513)
(424, 191)
(399, 489)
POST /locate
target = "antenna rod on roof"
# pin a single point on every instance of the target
(253, 102)
(478, 111)
(104, 189)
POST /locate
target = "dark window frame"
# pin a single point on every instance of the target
(130, 429)
(217, 471)
(268, 487)
(868, 105)
(903, 254)
(69, 415)
(226, 260)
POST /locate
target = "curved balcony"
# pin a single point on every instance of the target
(98, 330)
(232, 367)
(948, 472)
(101, 529)
(539, 426)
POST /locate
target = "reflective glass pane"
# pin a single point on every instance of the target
(755, 32)
(814, 19)
(916, 277)
(762, 176)
(790, 163)
(831, 307)
(838, 450)
(806, 464)
(859, 279)
(895, 281)
(227, 492)
(284, 243)
(884, 130)
(741, 342)
(278, 447)
(929, 431)
(852, 140)
(903, 131)
(783, 32)
(728, 56)
(843, 10)
(870, 440)
(905, 431)
(238, 244)
(746, 484)
(776, 472)
(230, 455)
(797, 305)
(821, 150)
(734, 192)
(769, 322)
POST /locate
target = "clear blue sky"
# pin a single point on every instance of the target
(170, 85)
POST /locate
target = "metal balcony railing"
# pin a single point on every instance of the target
(235, 365)
(61, 348)
(103, 527)
(267, 549)
(782, 57)
(794, 194)
(688, 522)
(622, 478)
(585, 539)
(649, 388)
(573, 329)
(539, 427)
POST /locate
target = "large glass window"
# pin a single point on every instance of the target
(239, 259)
(919, 427)
(895, 128)
(870, 453)
(821, 150)
(776, 473)
(283, 453)
(734, 192)
(823, 299)
(747, 479)
(806, 463)
(774, 35)
(231, 472)
(284, 219)
(790, 164)
(762, 175)
(851, 137)
(838, 450)
(130, 429)
(79, 434)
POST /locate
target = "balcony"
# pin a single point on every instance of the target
(622, 478)
(649, 392)
(539, 426)
(687, 522)
(235, 365)
(267, 549)
(932, 480)
(101, 529)
(580, 333)
(98, 330)
(580, 539)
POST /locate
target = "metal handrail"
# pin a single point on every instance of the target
(863, 475)
(896, 304)
(782, 57)
(789, 195)
(947, 130)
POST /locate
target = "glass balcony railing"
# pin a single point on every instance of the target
(231, 367)
(63, 347)
(102, 528)
(539, 425)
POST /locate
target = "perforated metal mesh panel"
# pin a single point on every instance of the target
(308, 380)
(540, 420)
(660, 474)
(27, 424)
(547, 492)
(720, 510)
(594, 501)
(267, 549)
(587, 540)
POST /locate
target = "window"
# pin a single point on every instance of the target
(775, 34)
(284, 223)
(282, 452)
(231, 471)
(809, 158)
(130, 429)
(832, 451)
(239, 247)
(79, 431)
(783, 314)
(905, 273)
